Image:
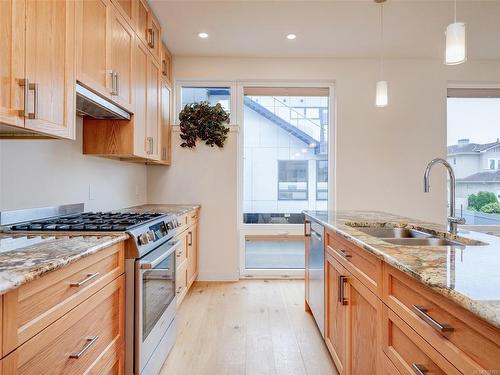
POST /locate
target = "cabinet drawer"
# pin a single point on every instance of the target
(366, 267)
(469, 343)
(88, 339)
(192, 217)
(35, 305)
(183, 223)
(181, 252)
(181, 282)
(408, 351)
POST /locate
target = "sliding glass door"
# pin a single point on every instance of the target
(286, 169)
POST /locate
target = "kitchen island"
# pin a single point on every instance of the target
(428, 299)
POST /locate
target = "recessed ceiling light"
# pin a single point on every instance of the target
(291, 36)
(203, 35)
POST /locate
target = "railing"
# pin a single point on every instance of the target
(297, 119)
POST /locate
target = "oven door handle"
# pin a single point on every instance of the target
(147, 265)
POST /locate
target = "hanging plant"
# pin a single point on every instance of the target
(203, 121)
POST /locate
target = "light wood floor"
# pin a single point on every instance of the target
(254, 327)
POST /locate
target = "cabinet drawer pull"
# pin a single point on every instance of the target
(90, 341)
(89, 277)
(190, 241)
(342, 299)
(179, 254)
(345, 254)
(422, 313)
(151, 38)
(179, 289)
(419, 369)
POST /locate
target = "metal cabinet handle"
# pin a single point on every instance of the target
(345, 254)
(34, 88)
(90, 276)
(24, 84)
(151, 38)
(150, 145)
(117, 84)
(190, 242)
(342, 281)
(419, 369)
(422, 313)
(90, 341)
(113, 82)
(164, 67)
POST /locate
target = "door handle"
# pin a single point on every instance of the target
(422, 313)
(117, 84)
(27, 88)
(342, 281)
(34, 88)
(151, 37)
(24, 84)
(90, 341)
(307, 228)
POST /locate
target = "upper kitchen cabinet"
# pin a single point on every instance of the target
(166, 125)
(148, 28)
(126, 8)
(166, 63)
(137, 139)
(37, 89)
(104, 51)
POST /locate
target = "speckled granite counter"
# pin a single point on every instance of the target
(24, 258)
(468, 275)
(177, 209)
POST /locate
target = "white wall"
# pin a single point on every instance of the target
(40, 173)
(381, 153)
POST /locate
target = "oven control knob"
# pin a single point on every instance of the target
(151, 235)
(143, 239)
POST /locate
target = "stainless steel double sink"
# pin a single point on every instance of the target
(412, 237)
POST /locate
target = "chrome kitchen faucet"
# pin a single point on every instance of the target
(453, 221)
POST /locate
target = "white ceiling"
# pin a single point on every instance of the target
(342, 29)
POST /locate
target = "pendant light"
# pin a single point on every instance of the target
(381, 87)
(456, 52)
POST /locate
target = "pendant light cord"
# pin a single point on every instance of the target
(381, 40)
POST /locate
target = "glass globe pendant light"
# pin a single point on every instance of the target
(456, 51)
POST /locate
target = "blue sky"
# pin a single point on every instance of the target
(475, 118)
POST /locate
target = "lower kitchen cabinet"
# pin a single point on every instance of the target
(187, 255)
(379, 320)
(352, 321)
(70, 321)
(336, 312)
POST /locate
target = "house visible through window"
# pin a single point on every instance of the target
(474, 150)
(322, 180)
(292, 180)
(212, 95)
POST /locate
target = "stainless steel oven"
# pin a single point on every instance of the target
(155, 303)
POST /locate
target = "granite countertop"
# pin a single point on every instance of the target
(26, 257)
(469, 275)
(177, 209)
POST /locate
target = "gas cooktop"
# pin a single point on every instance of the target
(90, 221)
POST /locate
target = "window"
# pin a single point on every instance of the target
(474, 138)
(212, 95)
(494, 163)
(292, 180)
(321, 180)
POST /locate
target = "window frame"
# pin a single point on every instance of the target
(233, 97)
(306, 162)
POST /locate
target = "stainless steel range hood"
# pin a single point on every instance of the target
(93, 105)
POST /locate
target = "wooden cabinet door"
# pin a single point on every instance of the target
(166, 128)
(121, 51)
(336, 312)
(126, 8)
(12, 42)
(153, 109)
(166, 63)
(141, 56)
(50, 67)
(192, 255)
(364, 317)
(154, 36)
(141, 20)
(93, 38)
